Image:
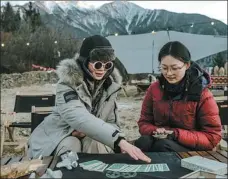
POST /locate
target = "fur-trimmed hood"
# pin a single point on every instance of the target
(70, 72)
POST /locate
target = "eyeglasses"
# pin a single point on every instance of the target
(98, 65)
(172, 69)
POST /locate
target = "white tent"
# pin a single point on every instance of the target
(137, 51)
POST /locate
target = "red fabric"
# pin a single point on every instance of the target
(182, 117)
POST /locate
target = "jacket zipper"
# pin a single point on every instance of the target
(112, 94)
(106, 99)
(170, 110)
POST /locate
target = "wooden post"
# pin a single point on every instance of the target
(2, 140)
(124, 91)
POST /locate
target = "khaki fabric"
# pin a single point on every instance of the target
(86, 145)
(92, 146)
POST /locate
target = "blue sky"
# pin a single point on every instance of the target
(212, 9)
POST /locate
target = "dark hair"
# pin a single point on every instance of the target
(175, 49)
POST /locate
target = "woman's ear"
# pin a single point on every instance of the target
(188, 65)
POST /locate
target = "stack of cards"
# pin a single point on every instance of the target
(120, 167)
(94, 165)
(163, 135)
(204, 164)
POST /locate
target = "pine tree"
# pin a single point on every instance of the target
(218, 60)
(8, 16)
(32, 17)
(17, 20)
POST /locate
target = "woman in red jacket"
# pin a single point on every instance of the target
(179, 102)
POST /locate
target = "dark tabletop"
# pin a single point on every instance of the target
(171, 159)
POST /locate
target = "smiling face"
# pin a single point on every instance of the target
(173, 69)
(98, 69)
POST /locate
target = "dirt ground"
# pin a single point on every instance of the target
(129, 111)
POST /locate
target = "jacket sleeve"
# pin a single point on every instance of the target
(74, 112)
(146, 121)
(209, 123)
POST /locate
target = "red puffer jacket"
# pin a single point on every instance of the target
(196, 125)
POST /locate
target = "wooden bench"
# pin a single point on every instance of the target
(218, 155)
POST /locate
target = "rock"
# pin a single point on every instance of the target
(24, 133)
(28, 78)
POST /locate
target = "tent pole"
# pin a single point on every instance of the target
(153, 57)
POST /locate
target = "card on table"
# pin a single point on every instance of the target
(153, 168)
(117, 167)
(93, 167)
(96, 165)
(130, 168)
(100, 168)
(90, 164)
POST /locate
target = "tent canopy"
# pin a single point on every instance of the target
(139, 53)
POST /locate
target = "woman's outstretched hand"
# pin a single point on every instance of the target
(133, 151)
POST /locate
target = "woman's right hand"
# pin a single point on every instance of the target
(78, 134)
(133, 151)
(162, 131)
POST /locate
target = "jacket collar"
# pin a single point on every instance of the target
(196, 80)
(70, 73)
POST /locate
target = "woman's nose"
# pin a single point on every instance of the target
(169, 72)
(102, 68)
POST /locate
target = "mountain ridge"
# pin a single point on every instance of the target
(123, 18)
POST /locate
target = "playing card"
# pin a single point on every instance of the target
(169, 132)
(117, 167)
(161, 167)
(160, 136)
(130, 168)
(149, 167)
(94, 167)
(90, 164)
(91, 167)
(101, 168)
(163, 135)
(165, 167)
(153, 168)
(142, 168)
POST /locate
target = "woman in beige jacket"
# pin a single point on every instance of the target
(85, 117)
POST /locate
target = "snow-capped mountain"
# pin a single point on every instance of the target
(51, 6)
(81, 20)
